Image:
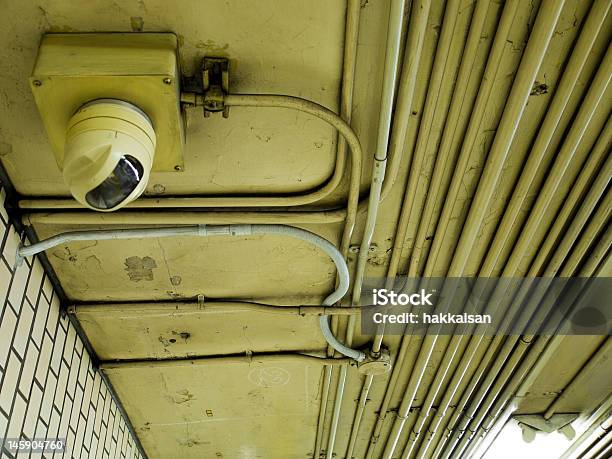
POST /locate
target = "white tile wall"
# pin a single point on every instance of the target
(48, 386)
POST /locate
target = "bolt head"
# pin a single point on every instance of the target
(158, 188)
(167, 80)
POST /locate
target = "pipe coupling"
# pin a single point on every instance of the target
(375, 365)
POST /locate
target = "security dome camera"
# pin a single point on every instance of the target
(109, 150)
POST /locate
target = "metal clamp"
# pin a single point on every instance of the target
(215, 83)
(532, 423)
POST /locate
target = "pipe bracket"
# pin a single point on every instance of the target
(215, 82)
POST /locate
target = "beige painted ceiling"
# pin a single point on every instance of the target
(147, 299)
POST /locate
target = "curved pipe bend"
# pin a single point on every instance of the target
(220, 230)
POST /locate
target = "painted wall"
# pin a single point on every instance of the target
(48, 386)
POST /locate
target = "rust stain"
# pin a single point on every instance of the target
(212, 47)
(137, 23)
(181, 396)
(168, 341)
(175, 280)
(538, 89)
(164, 342)
(189, 443)
(174, 295)
(140, 268)
(184, 335)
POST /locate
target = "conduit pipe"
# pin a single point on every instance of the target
(434, 111)
(423, 137)
(541, 354)
(550, 240)
(578, 381)
(454, 129)
(530, 64)
(396, 14)
(549, 191)
(394, 35)
(405, 90)
(351, 35)
(593, 164)
(221, 230)
(412, 207)
(513, 405)
(500, 359)
(486, 395)
(165, 309)
(532, 307)
(487, 438)
(257, 100)
(414, 44)
(246, 100)
(491, 401)
(251, 360)
(278, 101)
(535, 51)
(600, 423)
(606, 452)
(466, 67)
(590, 268)
(483, 94)
(540, 154)
(468, 140)
(405, 97)
(183, 218)
(601, 442)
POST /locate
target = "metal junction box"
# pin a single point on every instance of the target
(141, 68)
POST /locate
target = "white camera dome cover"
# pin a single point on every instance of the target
(110, 145)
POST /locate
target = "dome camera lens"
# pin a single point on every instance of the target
(108, 154)
(118, 185)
